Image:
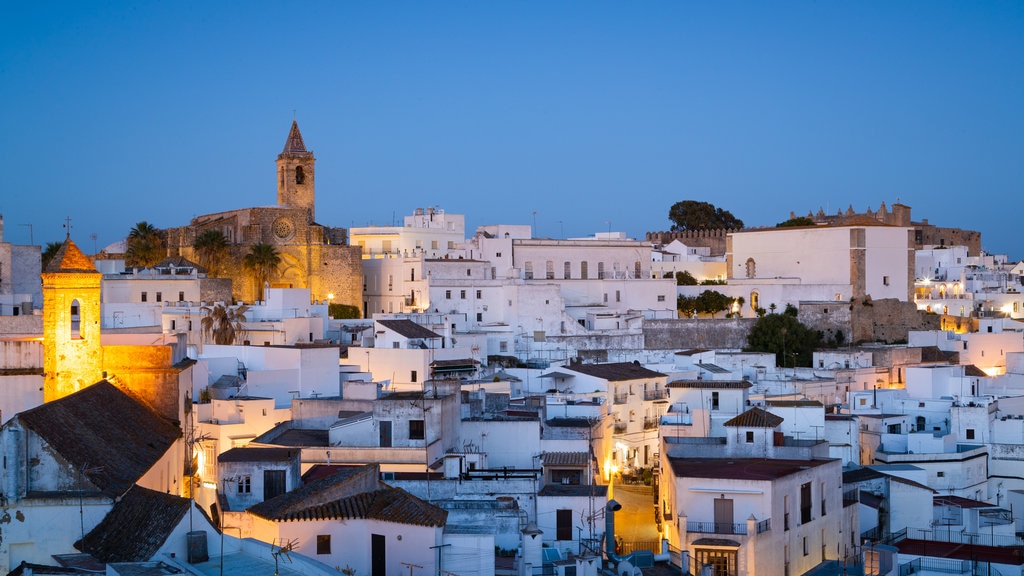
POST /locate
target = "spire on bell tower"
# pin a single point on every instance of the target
(295, 173)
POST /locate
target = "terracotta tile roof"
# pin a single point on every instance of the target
(615, 371)
(294, 146)
(388, 505)
(959, 501)
(755, 418)
(136, 527)
(711, 384)
(102, 431)
(343, 483)
(741, 468)
(70, 259)
(565, 458)
(259, 454)
(408, 329)
(794, 403)
(972, 370)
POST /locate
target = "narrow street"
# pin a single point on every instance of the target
(635, 521)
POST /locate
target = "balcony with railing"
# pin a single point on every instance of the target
(736, 528)
(620, 398)
(619, 428)
(650, 423)
(655, 394)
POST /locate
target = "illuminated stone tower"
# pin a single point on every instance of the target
(72, 353)
(295, 174)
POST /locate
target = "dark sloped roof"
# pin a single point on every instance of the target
(259, 454)
(179, 262)
(388, 505)
(343, 483)
(585, 490)
(972, 370)
(755, 418)
(565, 458)
(70, 259)
(712, 384)
(136, 527)
(794, 403)
(102, 431)
(294, 146)
(615, 371)
(408, 329)
(741, 468)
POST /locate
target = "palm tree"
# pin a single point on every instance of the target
(50, 252)
(222, 323)
(145, 245)
(211, 248)
(261, 262)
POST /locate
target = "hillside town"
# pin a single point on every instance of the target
(255, 392)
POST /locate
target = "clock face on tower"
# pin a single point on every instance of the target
(283, 228)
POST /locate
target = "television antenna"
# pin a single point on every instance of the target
(284, 549)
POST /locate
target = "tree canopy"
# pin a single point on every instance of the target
(783, 335)
(261, 262)
(145, 245)
(211, 248)
(49, 252)
(709, 302)
(798, 221)
(695, 215)
(222, 323)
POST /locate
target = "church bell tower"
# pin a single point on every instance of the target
(295, 174)
(72, 353)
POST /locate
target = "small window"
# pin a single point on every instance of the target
(503, 346)
(750, 437)
(462, 294)
(245, 484)
(940, 474)
(479, 294)
(448, 294)
(173, 324)
(497, 254)
(970, 433)
(415, 429)
(468, 272)
(159, 296)
(145, 297)
(885, 280)
(181, 296)
(323, 543)
(479, 316)
(661, 297)
(412, 376)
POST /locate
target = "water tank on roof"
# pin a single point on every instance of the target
(197, 547)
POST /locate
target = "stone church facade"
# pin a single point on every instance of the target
(312, 255)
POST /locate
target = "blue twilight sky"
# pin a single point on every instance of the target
(594, 114)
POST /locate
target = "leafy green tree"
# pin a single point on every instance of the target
(145, 245)
(49, 252)
(222, 324)
(686, 305)
(712, 302)
(343, 311)
(261, 263)
(783, 335)
(694, 215)
(684, 278)
(211, 248)
(798, 221)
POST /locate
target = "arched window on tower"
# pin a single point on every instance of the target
(300, 175)
(75, 318)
